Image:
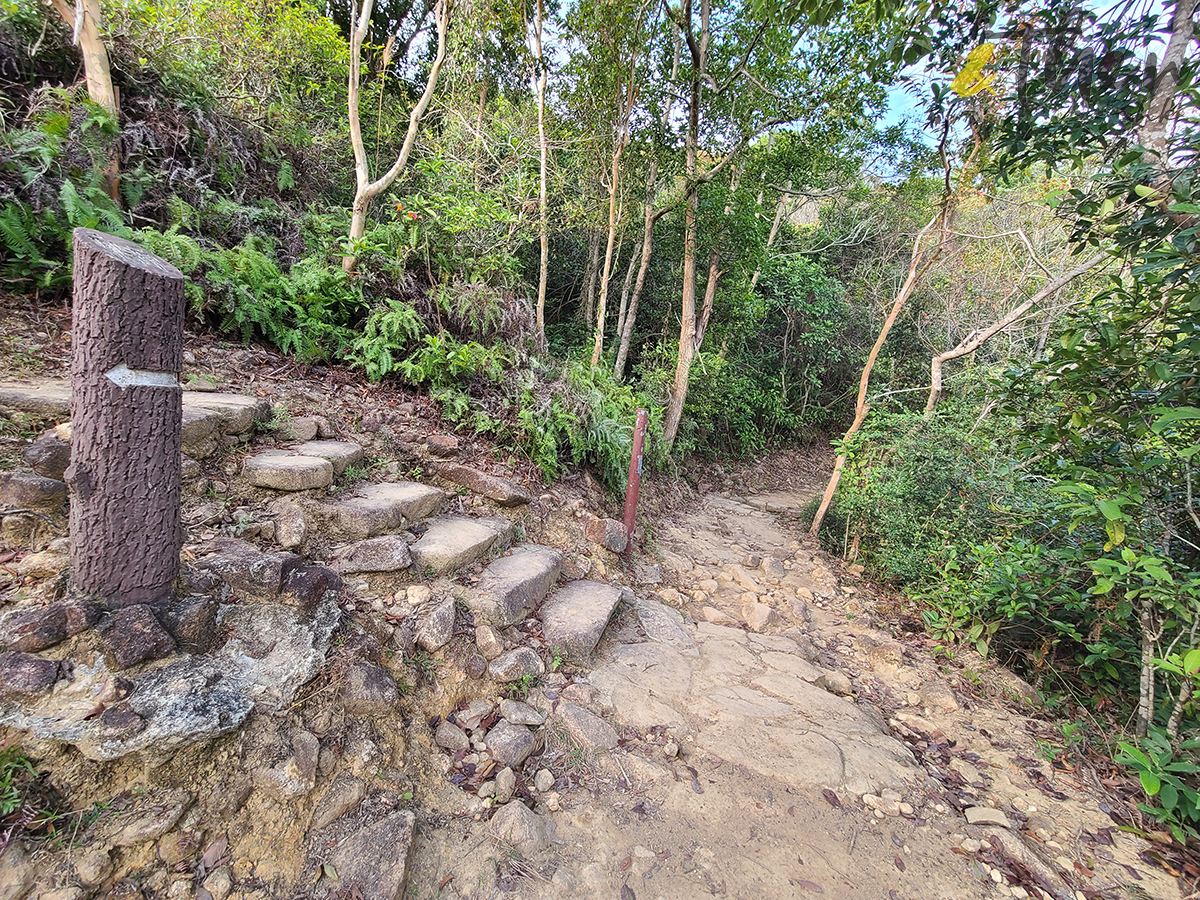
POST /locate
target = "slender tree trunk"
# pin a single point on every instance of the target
(606, 275)
(1156, 127)
(780, 208)
(921, 261)
(367, 190)
(698, 49)
(84, 21)
(640, 281)
(543, 152)
(589, 276)
(626, 287)
(1145, 711)
(630, 318)
(977, 339)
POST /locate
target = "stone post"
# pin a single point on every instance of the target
(126, 421)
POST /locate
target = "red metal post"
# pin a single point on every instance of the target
(635, 477)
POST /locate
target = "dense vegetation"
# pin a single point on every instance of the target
(696, 209)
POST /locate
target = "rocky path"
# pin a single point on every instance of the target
(436, 683)
(791, 752)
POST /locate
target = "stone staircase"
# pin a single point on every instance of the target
(183, 682)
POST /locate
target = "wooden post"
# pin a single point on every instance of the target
(126, 421)
(635, 477)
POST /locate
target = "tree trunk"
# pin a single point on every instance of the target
(1156, 127)
(367, 190)
(779, 211)
(84, 21)
(919, 265)
(630, 317)
(606, 275)
(977, 339)
(626, 286)
(687, 326)
(589, 276)
(698, 49)
(127, 421)
(543, 153)
(640, 282)
(1145, 711)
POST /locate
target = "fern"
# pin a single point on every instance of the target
(388, 331)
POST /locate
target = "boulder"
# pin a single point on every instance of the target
(248, 570)
(586, 728)
(608, 533)
(193, 623)
(306, 586)
(291, 525)
(510, 744)
(133, 635)
(23, 676)
(36, 628)
(375, 859)
(450, 737)
(443, 445)
(368, 690)
(386, 553)
(50, 454)
(344, 793)
(516, 664)
(437, 626)
(518, 827)
(22, 490)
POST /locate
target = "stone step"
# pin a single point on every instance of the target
(514, 585)
(452, 542)
(280, 470)
(387, 507)
(339, 453)
(206, 416)
(575, 617)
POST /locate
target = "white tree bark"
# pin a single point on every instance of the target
(367, 190)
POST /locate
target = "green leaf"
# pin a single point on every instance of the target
(1168, 796)
(1110, 509)
(1170, 417)
(1151, 783)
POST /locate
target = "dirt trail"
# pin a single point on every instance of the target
(782, 787)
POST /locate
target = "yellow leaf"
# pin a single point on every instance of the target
(971, 80)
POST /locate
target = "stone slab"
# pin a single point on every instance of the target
(339, 453)
(452, 542)
(374, 861)
(288, 473)
(390, 506)
(575, 617)
(512, 587)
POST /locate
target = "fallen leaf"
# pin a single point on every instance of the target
(810, 886)
(627, 893)
(666, 854)
(329, 871)
(899, 862)
(832, 798)
(202, 894)
(626, 863)
(791, 811)
(697, 787)
(213, 854)
(446, 881)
